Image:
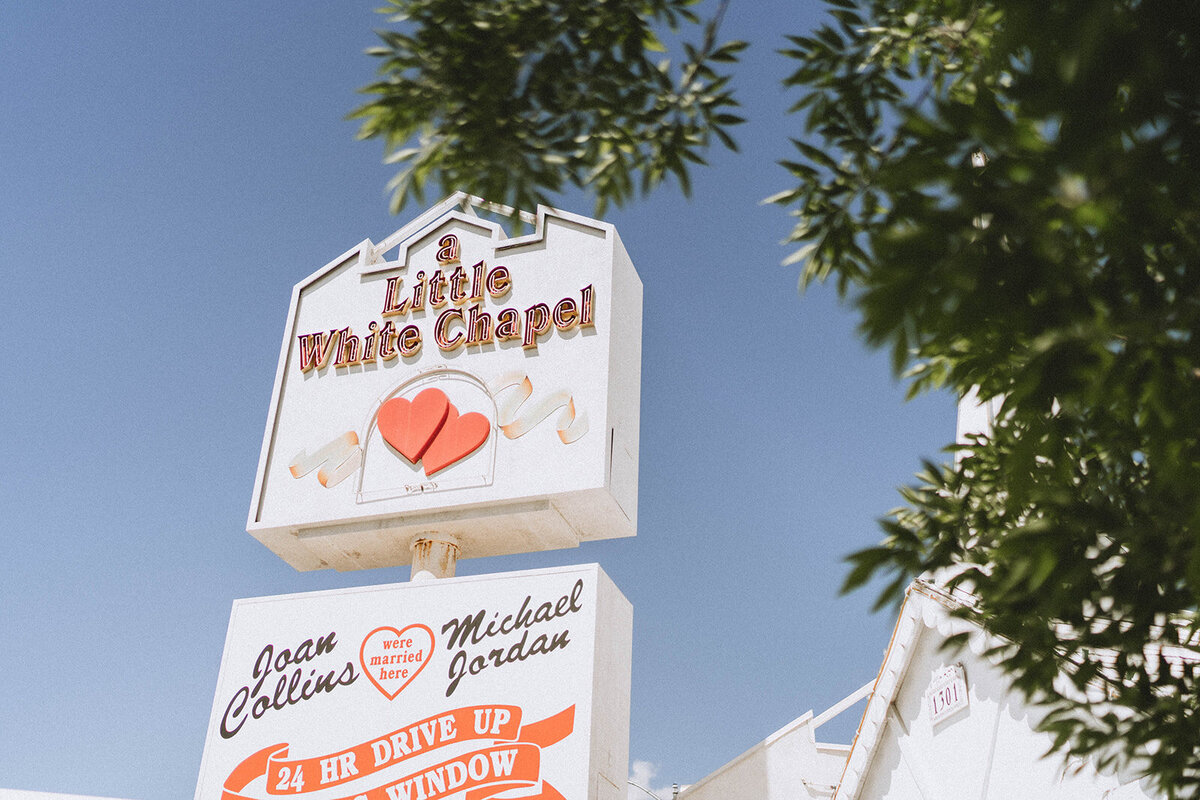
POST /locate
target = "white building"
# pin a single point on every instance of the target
(789, 763)
(938, 725)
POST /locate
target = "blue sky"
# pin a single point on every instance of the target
(169, 172)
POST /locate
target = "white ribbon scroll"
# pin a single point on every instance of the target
(518, 388)
(334, 462)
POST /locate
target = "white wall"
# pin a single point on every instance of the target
(790, 764)
(988, 750)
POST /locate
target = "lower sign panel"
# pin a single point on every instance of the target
(512, 686)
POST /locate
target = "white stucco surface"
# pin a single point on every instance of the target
(987, 749)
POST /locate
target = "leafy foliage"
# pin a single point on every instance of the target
(509, 99)
(1010, 191)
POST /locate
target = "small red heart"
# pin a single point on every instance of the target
(409, 427)
(458, 438)
(391, 659)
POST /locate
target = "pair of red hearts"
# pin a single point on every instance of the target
(429, 429)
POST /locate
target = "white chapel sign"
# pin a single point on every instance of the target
(513, 685)
(454, 380)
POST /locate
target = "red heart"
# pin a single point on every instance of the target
(410, 427)
(458, 438)
(391, 659)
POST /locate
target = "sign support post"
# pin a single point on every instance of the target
(434, 555)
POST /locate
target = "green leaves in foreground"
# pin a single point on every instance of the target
(1010, 193)
(514, 99)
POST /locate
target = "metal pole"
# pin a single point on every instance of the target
(434, 555)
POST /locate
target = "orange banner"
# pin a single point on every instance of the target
(481, 773)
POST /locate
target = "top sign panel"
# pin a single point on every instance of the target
(453, 380)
